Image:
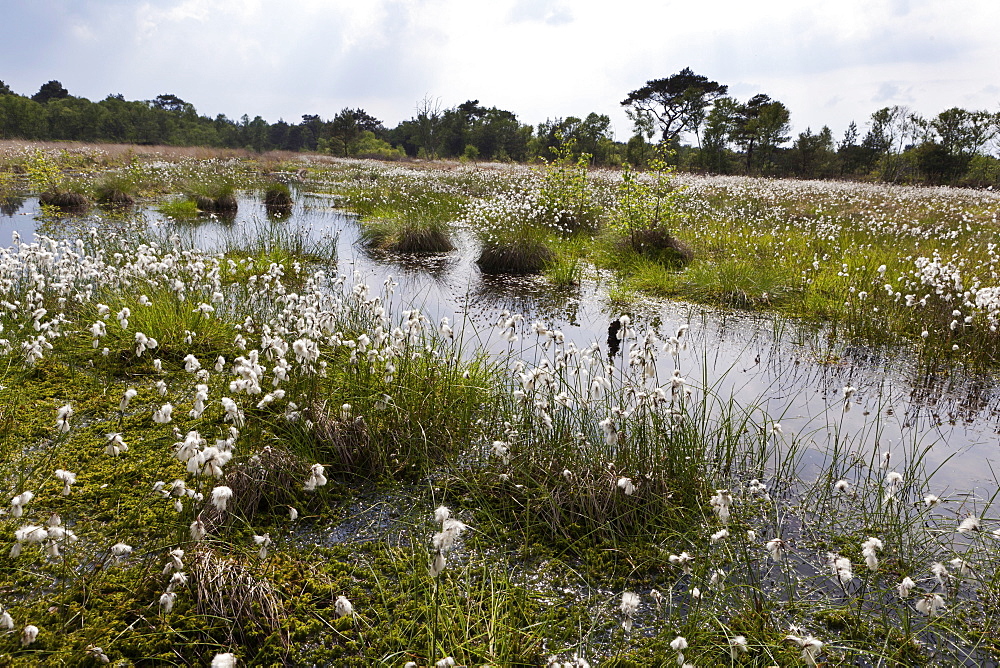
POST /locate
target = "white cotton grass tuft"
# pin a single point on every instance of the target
(930, 604)
(224, 660)
(721, 502)
(738, 645)
(776, 548)
(905, 586)
(121, 551)
(970, 523)
(343, 607)
(129, 395)
(18, 502)
(940, 573)
(221, 496)
(163, 414)
(719, 535)
(317, 477)
(811, 648)
(628, 608)
(841, 568)
(441, 513)
(626, 485)
(679, 644)
(62, 418)
(29, 635)
(198, 529)
(67, 478)
(869, 549)
(167, 600)
(115, 445)
(263, 542)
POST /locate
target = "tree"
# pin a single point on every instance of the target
(591, 135)
(889, 130)
(813, 153)
(5, 89)
(429, 126)
(720, 129)
(678, 102)
(759, 127)
(173, 104)
(644, 127)
(964, 132)
(52, 90)
(348, 126)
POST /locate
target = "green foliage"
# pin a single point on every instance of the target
(368, 145)
(565, 193)
(44, 173)
(647, 204)
(179, 208)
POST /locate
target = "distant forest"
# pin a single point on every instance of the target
(955, 147)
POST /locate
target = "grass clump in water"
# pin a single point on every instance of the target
(407, 233)
(65, 201)
(115, 191)
(522, 250)
(278, 199)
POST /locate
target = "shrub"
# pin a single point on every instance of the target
(645, 210)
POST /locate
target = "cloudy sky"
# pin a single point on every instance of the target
(829, 61)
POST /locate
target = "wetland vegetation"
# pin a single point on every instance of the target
(242, 452)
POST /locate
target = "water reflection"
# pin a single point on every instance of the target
(795, 372)
(9, 206)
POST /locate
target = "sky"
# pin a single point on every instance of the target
(829, 62)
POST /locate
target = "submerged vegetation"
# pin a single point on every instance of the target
(244, 455)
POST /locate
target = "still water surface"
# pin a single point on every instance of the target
(794, 372)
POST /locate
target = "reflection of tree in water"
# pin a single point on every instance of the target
(9, 206)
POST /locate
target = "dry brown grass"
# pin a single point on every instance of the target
(225, 589)
(346, 443)
(117, 152)
(263, 482)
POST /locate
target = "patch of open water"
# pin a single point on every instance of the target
(795, 372)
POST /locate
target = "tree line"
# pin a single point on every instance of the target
(724, 135)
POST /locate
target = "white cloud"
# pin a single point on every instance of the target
(828, 62)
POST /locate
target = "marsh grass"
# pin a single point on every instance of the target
(278, 199)
(522, 250)
(542, 566)
(116, 191)
(407, 233)
(178, 208)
